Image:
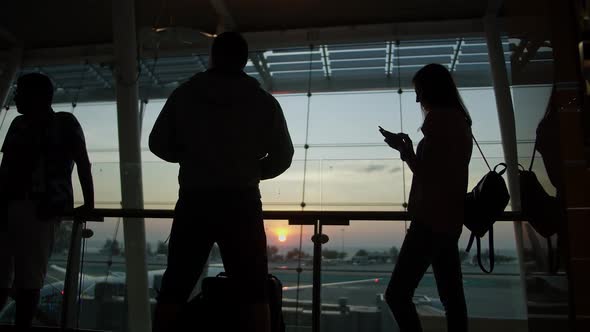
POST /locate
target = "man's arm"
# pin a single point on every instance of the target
(82, 164)
(162, 141)
(280, 148)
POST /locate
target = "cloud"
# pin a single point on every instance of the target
(373, 168)
(395, 169)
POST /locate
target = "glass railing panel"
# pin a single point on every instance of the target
(358, 261)
(102, 303)
(545, 274)
(285, 256)
(498, 296)
(356, 266)
(50, 304)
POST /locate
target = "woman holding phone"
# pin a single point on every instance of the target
(436, 203)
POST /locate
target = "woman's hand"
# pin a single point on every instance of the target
(406, 149)
(394, 141)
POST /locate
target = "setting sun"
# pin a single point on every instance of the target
(282, 234)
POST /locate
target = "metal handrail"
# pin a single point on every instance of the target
(326, 217)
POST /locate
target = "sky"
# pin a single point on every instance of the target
(348, 166)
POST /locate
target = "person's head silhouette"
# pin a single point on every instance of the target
(34, 94)
(436, 90)
(229, 52)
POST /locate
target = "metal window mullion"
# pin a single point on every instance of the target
(326, 61)
(456, 54)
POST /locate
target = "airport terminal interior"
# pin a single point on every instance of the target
(336, 219)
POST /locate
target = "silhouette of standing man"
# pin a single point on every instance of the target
(227, 134)
(39, 152)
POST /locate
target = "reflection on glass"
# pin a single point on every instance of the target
(543, 259)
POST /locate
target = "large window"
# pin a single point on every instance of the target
(341, 164)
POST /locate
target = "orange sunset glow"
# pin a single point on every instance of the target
(281, 234)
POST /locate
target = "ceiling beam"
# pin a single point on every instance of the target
(266, 40)
(259, 62)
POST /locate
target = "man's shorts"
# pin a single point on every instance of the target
(26, 244)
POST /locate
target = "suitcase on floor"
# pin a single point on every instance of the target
(216, 305)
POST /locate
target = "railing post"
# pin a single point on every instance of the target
(316, 301)
(68, 309)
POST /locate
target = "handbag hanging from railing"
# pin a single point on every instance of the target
(483, 205)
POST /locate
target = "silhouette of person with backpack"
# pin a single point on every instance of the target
(227, 134)
(39, 152)
(436, 202)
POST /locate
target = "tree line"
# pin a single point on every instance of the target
(114, 248)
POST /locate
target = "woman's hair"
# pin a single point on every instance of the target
(438, 90)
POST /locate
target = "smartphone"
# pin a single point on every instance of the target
(394, 138)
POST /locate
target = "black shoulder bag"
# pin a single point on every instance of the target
(483, 205)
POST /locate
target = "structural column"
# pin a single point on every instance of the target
(9, 73)
(125, 46)
(507, 126)
(571, 102)
(504, 106)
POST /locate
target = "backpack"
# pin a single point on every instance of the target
(483, 205)
(216, 303)
(541, 210)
